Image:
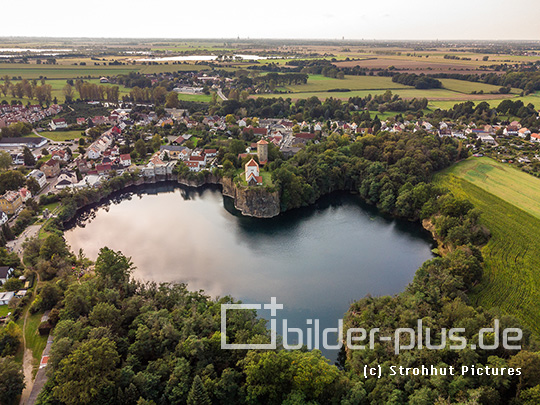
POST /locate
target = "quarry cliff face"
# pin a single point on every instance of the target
(250, 201)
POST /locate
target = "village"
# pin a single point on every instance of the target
(78, 165)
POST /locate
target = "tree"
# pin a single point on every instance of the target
(32, 185)
(29, 159)
(50, 294)
(140, 148)
(5, 160)
(10, 339)
(172, 100)
(230, 119)
(84, 376)
(113, 266)
(11, 180)
(198, 394)
(69, 92)
(11, 381)
(53, 245)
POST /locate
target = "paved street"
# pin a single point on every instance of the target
(29, 232)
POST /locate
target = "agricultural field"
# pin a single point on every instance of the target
(319, 83)
(505, 196)
(407, 93)
(60, 71)
(361, 86)
(57, 90)
(32, 71)
(462, 86)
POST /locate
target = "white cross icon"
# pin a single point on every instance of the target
(273, 306)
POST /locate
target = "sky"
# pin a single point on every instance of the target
(351, 19)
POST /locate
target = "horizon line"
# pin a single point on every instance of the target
(343, 39)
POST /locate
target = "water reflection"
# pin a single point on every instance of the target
(315, 260)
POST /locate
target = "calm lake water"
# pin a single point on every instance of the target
(314, 260)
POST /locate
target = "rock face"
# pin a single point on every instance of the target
(250, 201)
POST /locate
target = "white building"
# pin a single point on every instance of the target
(3, 218)
(5, 297)
(5, 273)
(252, 173)
(39, 176)
(59, 123)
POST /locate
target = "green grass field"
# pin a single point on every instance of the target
(463, 86)
(4, 310)
(505, 196)
(407, 93)
(60, 136)
(203, 98)
(453, 91)
(319, 83)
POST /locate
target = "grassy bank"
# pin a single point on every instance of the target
(512, 257)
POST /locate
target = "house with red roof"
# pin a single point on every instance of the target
(59, 123)
(125, 160)
(252, 173)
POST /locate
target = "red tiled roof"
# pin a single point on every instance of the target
(305, 135)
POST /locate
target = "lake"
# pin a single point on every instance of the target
(316, 260)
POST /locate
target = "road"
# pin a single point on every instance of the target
(16, 244)
(221, 95)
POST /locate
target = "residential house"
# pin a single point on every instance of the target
(445, 132)
(172, 151)
(104, 169)
(39, 176)
(58, 123)
(511, 130)
(5, 297)
(51, 168)
(179, 141)
(59, 155)
(66, 179)
(193, 166)
(93, 153)
(11, 202)
(5, 273)
(305, 135)
(523, 132)
(3, 218)
(535, 137)
(486, 138)
(25, 194)
(125, 160)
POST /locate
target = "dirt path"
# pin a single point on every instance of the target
(27, 370)
(28, 357)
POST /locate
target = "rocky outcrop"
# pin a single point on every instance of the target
(442, 249)
(250, 201)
